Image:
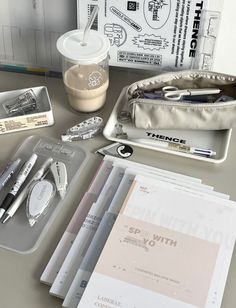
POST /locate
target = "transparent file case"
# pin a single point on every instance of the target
(17, 234)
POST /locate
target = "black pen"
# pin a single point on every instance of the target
(8, 172)
(24, 172)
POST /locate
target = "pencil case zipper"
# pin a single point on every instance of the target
(168, 114)
(169, 103)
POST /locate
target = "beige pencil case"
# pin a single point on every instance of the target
(166, 114)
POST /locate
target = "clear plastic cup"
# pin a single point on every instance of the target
(85, 69)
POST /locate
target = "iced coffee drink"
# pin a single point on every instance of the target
(86, 86)
(85, 69)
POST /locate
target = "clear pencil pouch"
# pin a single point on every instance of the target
(215, 112)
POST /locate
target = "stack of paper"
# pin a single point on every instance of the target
(169, 35)
(151, 237)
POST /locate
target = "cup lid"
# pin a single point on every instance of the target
(71, 46)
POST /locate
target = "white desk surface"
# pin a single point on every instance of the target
(19, 274)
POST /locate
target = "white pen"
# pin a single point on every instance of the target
(23, 174)
(175, 146)
(19, 200)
